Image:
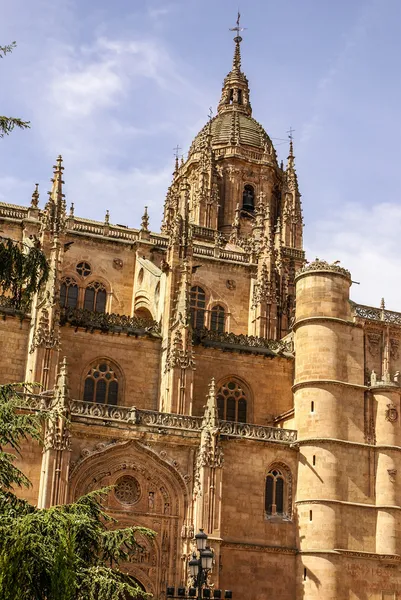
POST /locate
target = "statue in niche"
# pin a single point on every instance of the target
(151, 500)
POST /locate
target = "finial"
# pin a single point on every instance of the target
(72, 209)
(237, 40)
(182, 161)
(382, 304)
(211, 417)
(35, 196)
(107, 218)
(145, 221)
(176, 154)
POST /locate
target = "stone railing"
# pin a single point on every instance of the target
(241, 342)
(108, 322)
(376, 314)
(132, 416)
(293, 253)
(203, 232)
(12, 211)
(257, 432)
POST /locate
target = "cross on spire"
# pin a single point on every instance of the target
(237, 40)
(177, 151)
(237, 28)
(290, 132)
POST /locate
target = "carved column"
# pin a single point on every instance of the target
(56, 451)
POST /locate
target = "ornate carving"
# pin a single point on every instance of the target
(109, 322)
(127, 490)
(374, 343)
(230, 284)
(394, 348)
(322, 265)
(118, 264)
(376, 314)
(392, 474)
(257, 432)
(177, 356)
(391, 413)
(241, 342)
(44, 335)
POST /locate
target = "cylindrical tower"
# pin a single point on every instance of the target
(386, 396)
(328, 399)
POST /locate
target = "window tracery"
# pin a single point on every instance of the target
(101, 384)
(197, 307)
(278, 492)
(232, 402)
(68, 293)
(127, 490)
(95, 297)
(84, 269)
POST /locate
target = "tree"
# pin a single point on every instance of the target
(61, 553)
(23, 270)
(7, 124)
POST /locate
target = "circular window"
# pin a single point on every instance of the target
(84, 269)
(127, 490)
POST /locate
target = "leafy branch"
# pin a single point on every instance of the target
(7, 124)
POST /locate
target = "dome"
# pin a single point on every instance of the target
(234, 125)
(233, 128)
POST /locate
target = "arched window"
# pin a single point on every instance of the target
(95, 297)
(278, 493)
(68, 293)
(217, 318)
(248, 198)
(198, 306)
(232, 402)
(101, 384)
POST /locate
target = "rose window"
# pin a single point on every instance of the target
(127, 490)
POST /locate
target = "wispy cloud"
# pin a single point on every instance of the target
(367, 243)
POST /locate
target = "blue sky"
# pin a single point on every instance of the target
(115, 86)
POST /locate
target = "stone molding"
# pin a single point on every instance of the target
(257, 548)
(347, 503)
(355, 554)
(319, 440)
(323, 318)
(317, 382)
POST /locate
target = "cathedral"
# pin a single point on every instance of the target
(215, 378)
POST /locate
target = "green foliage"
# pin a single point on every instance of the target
(23, 270)
(68, 552)
(7, 124)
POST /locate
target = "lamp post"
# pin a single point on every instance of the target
(199, 566)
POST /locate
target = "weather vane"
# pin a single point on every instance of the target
(238, 28)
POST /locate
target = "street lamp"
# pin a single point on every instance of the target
(199, 566)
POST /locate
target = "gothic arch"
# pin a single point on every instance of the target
(108, 360)
(143, 302)
(244, 385)
(286, 471)
(153, 471)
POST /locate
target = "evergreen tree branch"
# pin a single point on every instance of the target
(7, 124)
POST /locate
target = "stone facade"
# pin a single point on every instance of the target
(184, 374)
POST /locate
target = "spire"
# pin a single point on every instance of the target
(235, 94)
(55, 209)
(145, 221)
(35, 196)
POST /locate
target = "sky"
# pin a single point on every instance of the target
(115, 86)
